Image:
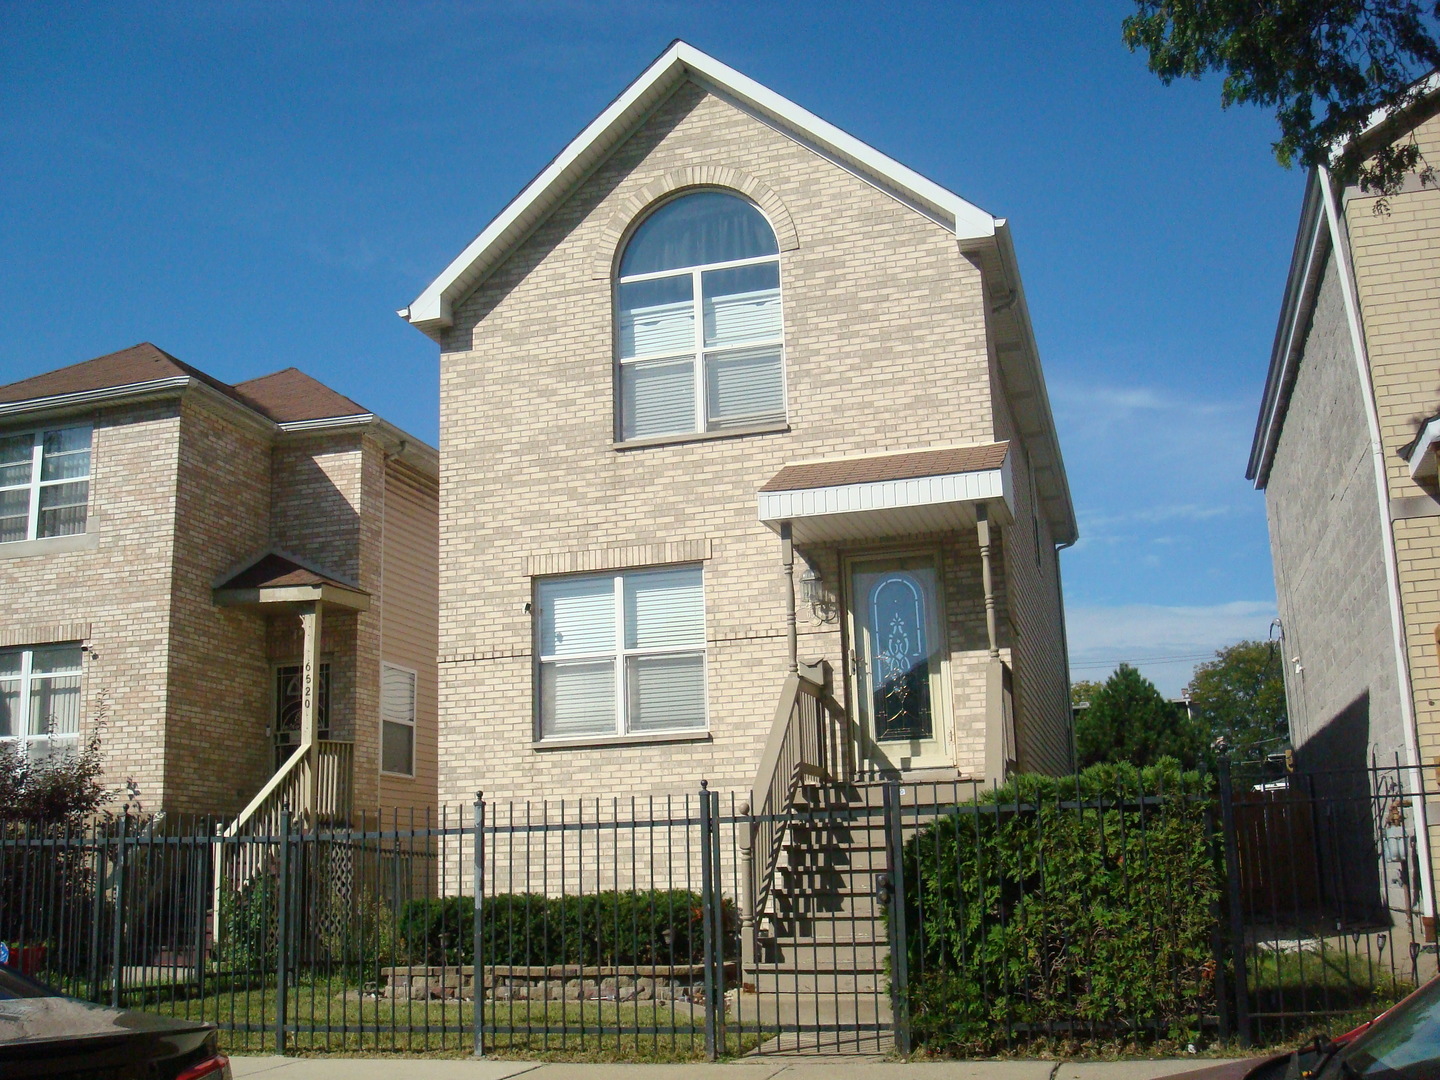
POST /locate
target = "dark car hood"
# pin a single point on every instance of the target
(27, 1021)
(1231, 1070)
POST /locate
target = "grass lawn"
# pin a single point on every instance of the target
(328, 1017)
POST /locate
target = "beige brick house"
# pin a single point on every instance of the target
(239, 579)
(1345, 451)
(727, 393)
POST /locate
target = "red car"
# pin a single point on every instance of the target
(1402, 1043)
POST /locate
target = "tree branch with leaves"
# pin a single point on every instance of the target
(1325, 66)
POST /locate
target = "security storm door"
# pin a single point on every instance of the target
(900, 662)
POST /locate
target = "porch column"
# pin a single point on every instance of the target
(311, 619)
(996, 750)
(982, 529)
(787, 556)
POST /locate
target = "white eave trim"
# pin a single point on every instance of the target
(967, 487)
(83, 398)
(432, 309)
(1422, 456)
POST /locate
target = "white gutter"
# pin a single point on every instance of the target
(82, 398)
(1387, 536)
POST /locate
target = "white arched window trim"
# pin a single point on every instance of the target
(701, 350)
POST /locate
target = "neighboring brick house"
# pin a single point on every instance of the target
(164, 536)
(712, 328)
(1345, 451)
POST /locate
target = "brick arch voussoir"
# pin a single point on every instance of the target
(693, 176)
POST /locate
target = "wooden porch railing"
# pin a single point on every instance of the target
(315, 784)
(810, 741)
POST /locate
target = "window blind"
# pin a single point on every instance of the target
(666, 692)
(664, 608)
(744, 387)
(577, 616)
(742, 305)
(657, 398)
(657, 318)
(397, 720)
(577, 698)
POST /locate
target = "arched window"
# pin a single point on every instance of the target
(698, 299)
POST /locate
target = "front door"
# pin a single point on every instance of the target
(900, 660)
(289, 687)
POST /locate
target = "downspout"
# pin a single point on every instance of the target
(1065, 657)
(1339, 242)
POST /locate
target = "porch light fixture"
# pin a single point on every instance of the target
(813, 592)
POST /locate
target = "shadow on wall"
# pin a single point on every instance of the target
(1347, 804)
(315, 519)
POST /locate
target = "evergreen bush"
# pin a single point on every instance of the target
(1068, 908)
(528, 929)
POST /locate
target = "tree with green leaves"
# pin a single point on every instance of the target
(1240, 696)
(1129, 721)
(1325, 66)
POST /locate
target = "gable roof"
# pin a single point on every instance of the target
(141, 363)
(431, 311)
(275, 569)
(291, 396)
(287, 401)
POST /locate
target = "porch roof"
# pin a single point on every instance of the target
(868, 498)
(277, 578)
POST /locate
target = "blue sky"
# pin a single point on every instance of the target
(252, 186)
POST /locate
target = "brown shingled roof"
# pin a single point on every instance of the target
(284, 397)
(274, 570)
(291, 395)
(137, 364)
(906, 466)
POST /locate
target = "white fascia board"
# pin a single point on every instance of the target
(983, 486)
(1066, 529)
(1422, 457)
(81, 399)
(432, 310)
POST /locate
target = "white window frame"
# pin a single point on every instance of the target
(35, 484)
(414, 708)
(27, 678)
(698, 352)
(619, 654)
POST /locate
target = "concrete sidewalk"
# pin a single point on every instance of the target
(779, 1068)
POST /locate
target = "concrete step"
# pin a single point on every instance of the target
(784, 980)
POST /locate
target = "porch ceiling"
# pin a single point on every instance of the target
(871, 498)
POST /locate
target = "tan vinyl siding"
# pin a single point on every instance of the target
(410, 623)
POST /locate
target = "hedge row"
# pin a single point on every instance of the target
(606, 928)
(1068, 907)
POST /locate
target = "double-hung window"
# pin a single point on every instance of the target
(621, 653)
(40, 698)
(699, 320)
(397, 720)
(44, 483)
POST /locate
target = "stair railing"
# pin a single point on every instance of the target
(315, 784)
(809, 741)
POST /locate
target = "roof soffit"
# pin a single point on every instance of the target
(431, 312)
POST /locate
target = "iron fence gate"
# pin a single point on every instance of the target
(942, 916)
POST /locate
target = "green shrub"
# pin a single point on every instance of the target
(249, 926)
(1064, 907)
(529, 929)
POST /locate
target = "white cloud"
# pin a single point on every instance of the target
(1165, 643)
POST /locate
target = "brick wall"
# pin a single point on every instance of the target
(1329, 563)
(118, 590)
(1396, 251)
(885, 350)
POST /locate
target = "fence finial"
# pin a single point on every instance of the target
(479, 796)
(704, 785)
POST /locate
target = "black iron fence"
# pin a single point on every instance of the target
(1119, 907)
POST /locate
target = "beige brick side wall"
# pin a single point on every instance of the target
(1397, 270)
(216, 750)
(120, 588)
(885, 350)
